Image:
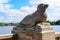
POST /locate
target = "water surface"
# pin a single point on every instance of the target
(8, 29)
(56, 28)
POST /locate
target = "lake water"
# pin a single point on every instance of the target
(56, 28)
(8, 29)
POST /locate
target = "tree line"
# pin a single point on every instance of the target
(54, 22)
(8, 24)
(14, 24)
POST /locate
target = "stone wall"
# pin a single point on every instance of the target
(6, 37)
(45, 33)
(57, 35)
(41, 31)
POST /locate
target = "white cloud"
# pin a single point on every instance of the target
(5, 7)
(27, 10)
(12, 12)
(53, 16)
(53, 4)
(4, 1)
(8, 6)
(33, 2)
(18, 15)
(14, 15)
(1, 18)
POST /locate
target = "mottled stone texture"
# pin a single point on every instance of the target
(30, 29)
(30, 21)
(41, 31)
(37, 17)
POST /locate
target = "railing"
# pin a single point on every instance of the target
(57, 36)
(6, 37)
(46, 33)
(9, 36)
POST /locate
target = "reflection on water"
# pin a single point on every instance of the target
(7, 29)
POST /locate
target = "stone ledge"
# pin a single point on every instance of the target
(6, 36)
(57, 34)
(47, 31)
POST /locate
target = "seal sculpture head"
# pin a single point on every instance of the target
(42, 6)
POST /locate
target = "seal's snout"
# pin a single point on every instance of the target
(46, 5)
(42, 6)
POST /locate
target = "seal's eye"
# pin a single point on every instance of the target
(43, 5)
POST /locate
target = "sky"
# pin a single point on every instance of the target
(16, 10)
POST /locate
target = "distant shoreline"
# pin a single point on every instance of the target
(14, 24)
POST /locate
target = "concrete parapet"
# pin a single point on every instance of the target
(57, 35)
(47, 31)
(6, 36)
(41, 31)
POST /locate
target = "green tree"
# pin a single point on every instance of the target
(2, 24)
(58, 22)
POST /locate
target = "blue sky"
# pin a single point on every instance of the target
(16, 10)
(19, 3)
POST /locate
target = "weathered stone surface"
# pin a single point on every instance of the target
(38, 32)
(6, 36)
(37, 17)
(33, 28)
(31, 20)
